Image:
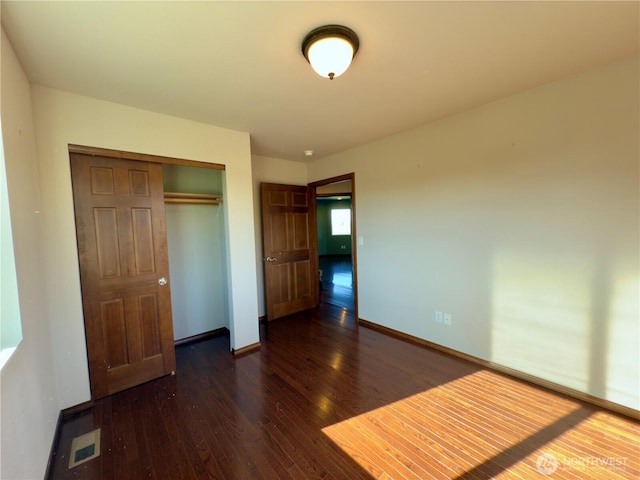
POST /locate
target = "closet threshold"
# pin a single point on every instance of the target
(196, 198)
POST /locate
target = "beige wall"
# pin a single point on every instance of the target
(270, 170)
(61, 119)
(28, 393)
(49, 372)
(520, 218)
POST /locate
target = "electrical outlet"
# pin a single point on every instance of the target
(447, 319)
(438, 316)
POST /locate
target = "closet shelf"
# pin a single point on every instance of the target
(199, 198)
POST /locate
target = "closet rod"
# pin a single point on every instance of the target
(199, 198)
(199, 201)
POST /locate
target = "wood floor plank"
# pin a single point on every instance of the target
(325, 399)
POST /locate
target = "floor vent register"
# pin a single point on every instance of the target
(84, 448)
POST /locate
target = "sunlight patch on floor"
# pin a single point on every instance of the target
(449, 430)
(571, 454)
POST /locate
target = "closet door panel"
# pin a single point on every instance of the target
(114, 332)
(148, 308)
(143, 240)
(107, 244)
(124, 271)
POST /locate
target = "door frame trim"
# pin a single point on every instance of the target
(143, 157)
(354, 244)
(131, 156)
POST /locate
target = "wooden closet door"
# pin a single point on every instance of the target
(124, 269)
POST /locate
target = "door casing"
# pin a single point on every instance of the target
(272, 312)
(135, 376)
(354, 249)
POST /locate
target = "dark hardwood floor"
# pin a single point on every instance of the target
(325, 399)
(336, 286)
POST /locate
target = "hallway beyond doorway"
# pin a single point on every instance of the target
(336, 281)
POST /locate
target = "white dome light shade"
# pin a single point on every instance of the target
(330, 57)
(330, 49)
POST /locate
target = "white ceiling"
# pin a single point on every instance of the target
(238, 64)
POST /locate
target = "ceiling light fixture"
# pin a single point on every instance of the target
(330, 49)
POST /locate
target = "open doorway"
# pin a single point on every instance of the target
(335, 213)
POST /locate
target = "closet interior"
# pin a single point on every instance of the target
(197, 254)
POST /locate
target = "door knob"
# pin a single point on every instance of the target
(162, 282)
(271, 259)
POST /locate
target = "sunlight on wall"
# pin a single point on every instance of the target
(569, 319)
(540, 318)
(623, 368)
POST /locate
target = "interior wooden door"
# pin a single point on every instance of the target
(124, 269)
(290, 249)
